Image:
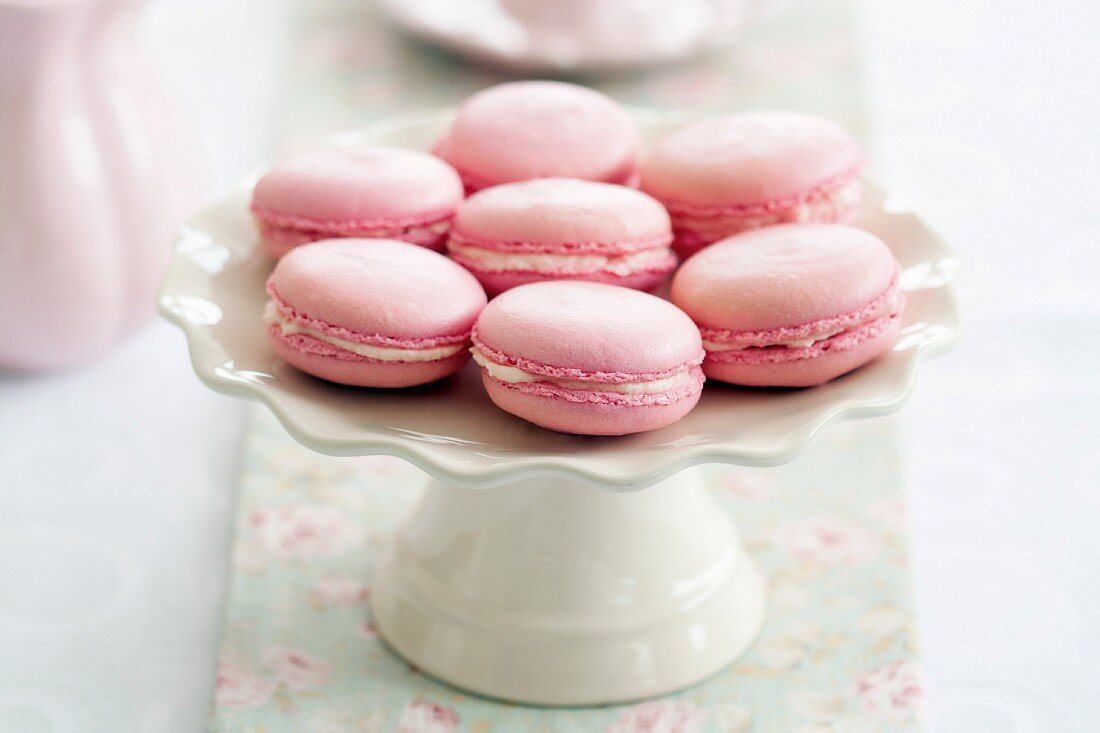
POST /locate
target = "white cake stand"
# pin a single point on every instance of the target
(554, 582)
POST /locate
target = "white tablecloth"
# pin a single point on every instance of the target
(116, 481)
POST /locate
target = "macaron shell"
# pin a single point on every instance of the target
(561, 211)
(343, 368)
(369, 185)
(590, 327)
(783, 276)
(278, 243)
(769, 159)
(806, 372)
(278, 248)
(586, 418)
(379, 286)
(533, 129)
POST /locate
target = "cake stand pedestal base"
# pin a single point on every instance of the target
(553, 592)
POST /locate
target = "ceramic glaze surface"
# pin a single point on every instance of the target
(553, 593)
(214, 291)
(96, 170)
(577, 35)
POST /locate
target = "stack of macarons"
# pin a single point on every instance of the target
(539, 195)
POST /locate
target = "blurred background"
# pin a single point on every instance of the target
(119, 475)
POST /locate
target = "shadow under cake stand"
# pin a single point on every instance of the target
(539, 567)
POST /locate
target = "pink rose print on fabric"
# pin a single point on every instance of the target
(302, 530)
(659, 716)
(750, 484)
(338, 590)
(423, 716)
(239, 686)
(693, 87)
(892, 692)
(890, 512)
(295, 668)
(827, 541)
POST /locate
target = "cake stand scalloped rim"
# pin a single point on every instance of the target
(447, 469)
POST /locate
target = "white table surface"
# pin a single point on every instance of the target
(120, 476)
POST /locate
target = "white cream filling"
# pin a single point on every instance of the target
(622, 265)
(793, 344)
(272, 316)
(826, 208)
(844, 198)
(435, 229)
(889, 305)
(514, 375)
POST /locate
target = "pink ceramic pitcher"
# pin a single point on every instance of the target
(96, 172)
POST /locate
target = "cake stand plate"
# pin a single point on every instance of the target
(553, 583)
(575, 37)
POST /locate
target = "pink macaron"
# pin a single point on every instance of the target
(372, 312)
(722, 176)
(562, 229)
(540, 129)
(589, 358)
(793, 305)
(368, 191)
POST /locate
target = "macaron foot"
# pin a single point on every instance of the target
(360, 372)
(806, 372)
(586, 418)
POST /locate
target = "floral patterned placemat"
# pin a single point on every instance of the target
(836, 655)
